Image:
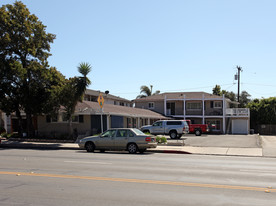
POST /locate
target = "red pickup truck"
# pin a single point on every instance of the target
(198, 129)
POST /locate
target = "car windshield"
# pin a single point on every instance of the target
(138, 132)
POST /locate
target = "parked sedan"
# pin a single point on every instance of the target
(129, 139)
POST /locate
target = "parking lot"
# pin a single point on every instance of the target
(234, 141)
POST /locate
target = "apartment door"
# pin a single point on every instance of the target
(170, 108)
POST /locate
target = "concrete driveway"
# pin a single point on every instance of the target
(269, 145)
(233, 141)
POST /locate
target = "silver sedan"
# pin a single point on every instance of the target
(129, 139)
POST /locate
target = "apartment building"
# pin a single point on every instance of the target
(200, 108)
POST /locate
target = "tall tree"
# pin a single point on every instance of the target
(230, 95)
(244, 99)
(26, 79)
(145, 91)
(73, 93)
(217, 90)
(262, 111)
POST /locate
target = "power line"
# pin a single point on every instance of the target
(270, 93)
(263, 85)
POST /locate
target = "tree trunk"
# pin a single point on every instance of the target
(20, 127)
(30, 127)
(70, 129)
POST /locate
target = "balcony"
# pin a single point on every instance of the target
(237, 112)
(213, 112)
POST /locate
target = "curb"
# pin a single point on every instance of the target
(60, 146)
(36, 146)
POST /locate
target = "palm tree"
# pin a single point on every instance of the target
(84, 68)
(73, 92)
(145, 91)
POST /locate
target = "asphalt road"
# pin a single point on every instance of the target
(68, 177)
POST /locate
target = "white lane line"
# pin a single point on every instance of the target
(82, 162)
(259, 171)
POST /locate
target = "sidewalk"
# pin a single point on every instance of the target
(225, 151)
(269, 145)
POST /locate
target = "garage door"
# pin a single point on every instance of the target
(239, 126)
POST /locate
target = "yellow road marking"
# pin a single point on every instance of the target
(187, 184)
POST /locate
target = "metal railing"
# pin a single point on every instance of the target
(237, 112)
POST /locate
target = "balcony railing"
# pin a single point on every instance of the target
(237, 112)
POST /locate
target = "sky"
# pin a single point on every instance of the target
(174, 45)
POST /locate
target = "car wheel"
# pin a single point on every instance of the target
(197, 132)
(90, 147)
(132, 148)
(173, 135)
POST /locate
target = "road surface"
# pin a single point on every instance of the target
(68, 177)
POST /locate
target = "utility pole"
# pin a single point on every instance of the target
(239, 71)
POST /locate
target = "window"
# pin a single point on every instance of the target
(130, 133)
(129, 123)
(214, 125)
(151, 105)
(122, 104)
(146, 122)
(170, 108)
(194, 105)
(174, 123)
(81, 119)
(217, 104)
(61, 118)
(122, 133)
(109, 133)
(50, 119)
(75, 118)
(134, 123)
(157, 124)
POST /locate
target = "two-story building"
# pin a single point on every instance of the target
(92, 95)
(200, 108)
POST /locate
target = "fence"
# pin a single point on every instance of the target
(267, 129)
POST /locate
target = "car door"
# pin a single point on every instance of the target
(106, 140)
(121, 139)
(158, 128)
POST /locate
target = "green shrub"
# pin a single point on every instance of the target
(161, 139)
(4, 134)
(158, 139)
